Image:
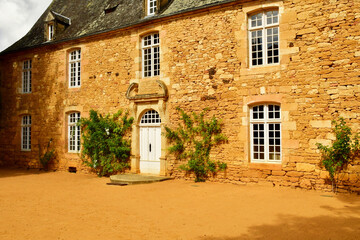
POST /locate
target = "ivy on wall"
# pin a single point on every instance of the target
(105, 147)
(193, 140)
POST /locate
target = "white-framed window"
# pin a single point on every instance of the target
(151, 55)
(26, 133)
(151, 117)
(265, 132)
(26, 76)
(264, 38)
(50, 32)
(75, 68)
(151, 7)
(74, 133)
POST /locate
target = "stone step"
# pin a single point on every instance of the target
(129, 179)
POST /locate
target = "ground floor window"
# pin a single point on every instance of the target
(26, 133)
(74, 132)
(265, 132)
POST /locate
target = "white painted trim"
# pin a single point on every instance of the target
(26, 83)
(266, 121)
(77, 135)
(50, 32)
(264, 38)
(149, 9)
(77, 62)
(26, 128)
(152, 46)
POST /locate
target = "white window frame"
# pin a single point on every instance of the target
(263, 28)
(50, 32)
(26, 133)
(151, 49)
(75, 68)
(151, 7)
(150, 118)
(26, 76)
(74, 133)
(266, 121)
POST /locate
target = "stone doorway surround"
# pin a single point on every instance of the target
(145, 96)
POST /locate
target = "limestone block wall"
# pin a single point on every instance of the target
(204, 63)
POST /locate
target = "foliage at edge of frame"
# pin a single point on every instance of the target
(342, 151)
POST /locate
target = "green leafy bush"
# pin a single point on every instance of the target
(343, 149)
(193, 140)
(48, 156)
(104, 145)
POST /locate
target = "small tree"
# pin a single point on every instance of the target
(193, 140)
(343, 149)
(104, 146)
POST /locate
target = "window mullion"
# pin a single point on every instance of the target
(251, 142)
(29, 82)
(23, 81)
(152, 53)
(22, 137)
(78, 71)
(266, 123)
(265, 62)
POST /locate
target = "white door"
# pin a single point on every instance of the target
(150, 143)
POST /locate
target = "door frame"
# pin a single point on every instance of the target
(137, 110)
(150, 128)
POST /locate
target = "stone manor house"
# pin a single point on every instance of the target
(276, 72)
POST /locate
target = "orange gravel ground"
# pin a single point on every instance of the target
(36, 205)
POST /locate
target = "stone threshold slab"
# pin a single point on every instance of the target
(130, 179)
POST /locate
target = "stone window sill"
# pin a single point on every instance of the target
(266, 166)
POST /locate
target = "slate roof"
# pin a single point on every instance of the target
(87, 17)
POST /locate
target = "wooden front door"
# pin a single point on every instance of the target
(150, 143)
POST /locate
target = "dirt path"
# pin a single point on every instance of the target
(36, 205)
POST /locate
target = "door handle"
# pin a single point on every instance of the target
(150, 147)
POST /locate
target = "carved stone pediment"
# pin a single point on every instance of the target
(161, 92)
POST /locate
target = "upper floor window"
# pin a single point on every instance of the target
(151, 7)
(265, 132)
(151, 55)
(74, 133)
(26, 77)
(26, 133)
(50, 32)
(75, 68)
(264, 38)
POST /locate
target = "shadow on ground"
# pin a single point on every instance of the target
(345, 225)
(17, 172)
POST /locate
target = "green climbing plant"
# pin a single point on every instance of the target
(193, 140)
(105, 147)
(48, 156)
(343, 149)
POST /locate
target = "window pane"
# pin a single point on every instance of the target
(258, 140)
(266, 136)
(151, 55)
(272, 17)
(151, 116)
(256, 46)
(256, 20)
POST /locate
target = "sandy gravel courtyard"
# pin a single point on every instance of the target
(58, 205)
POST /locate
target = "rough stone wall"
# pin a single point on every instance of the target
(317, 81)
(204, 62)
